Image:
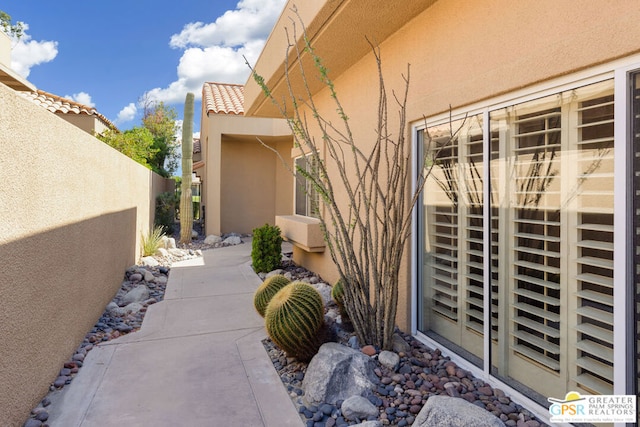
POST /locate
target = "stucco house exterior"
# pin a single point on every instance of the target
(9, 77)
(523, 265)
(83, 116)
(244, 184)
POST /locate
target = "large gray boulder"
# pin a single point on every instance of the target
(336, 373)
(453, 411)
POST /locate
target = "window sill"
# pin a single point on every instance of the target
(303, 232)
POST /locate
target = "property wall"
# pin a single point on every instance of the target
(71, 213)
(462, 52)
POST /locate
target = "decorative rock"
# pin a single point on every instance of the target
(399, 344)
(274, 273)
(113, 309)
(149, 261)
(137, 294)
(358, 407)
(60, 381)
(135, 277)
(369, 350)
(353, 342)
(451, 411)
(324, 290)
(212, 239)
(336, 373)
(148, 276)
(179, 253)
(368, 424)
(162, 252)
(42, 416)
(194, 234)
(31, 422)
(389, 359)
(232, 241)
(132, 308)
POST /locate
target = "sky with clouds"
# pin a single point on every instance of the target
(112, 55)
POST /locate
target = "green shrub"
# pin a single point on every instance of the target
(293, 320)
(266, 248)
(267, 290)
(152, 242)
(166, 210)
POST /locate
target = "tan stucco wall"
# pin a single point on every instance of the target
(244, 184)
(460, 52)
(90, 124)
(71, 213)
(248, 185)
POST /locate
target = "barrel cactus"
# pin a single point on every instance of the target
(293, 318)
(267, 290)
(337, 293)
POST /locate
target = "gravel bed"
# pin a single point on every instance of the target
(399, 395)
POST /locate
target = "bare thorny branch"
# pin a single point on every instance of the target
(365, 213)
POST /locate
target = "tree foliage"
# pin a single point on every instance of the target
(364, 186)
(136, 143)
(160, 120)
(13, 30)
(154, 143)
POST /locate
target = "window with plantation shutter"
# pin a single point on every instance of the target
(454, 239)
(551, 182)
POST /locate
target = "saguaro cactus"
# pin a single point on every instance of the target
(186, 201)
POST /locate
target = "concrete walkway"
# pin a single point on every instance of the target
(196, 361)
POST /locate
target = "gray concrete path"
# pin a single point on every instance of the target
(198, 359)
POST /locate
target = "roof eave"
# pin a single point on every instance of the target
(338, 31)
(14, 80)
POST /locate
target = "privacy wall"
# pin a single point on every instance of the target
(72, 210)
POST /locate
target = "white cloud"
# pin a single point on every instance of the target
(216, 51)
(27, 53)
(127, 114)
(82, 98)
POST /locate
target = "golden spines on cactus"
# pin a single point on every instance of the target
(267, 290)
(293, 320)
(337, 293)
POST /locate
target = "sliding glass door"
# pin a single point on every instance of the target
(551, 243)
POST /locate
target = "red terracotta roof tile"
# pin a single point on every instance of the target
(58, 104)
(223, 98)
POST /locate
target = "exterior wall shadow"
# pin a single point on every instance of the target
(54, 286)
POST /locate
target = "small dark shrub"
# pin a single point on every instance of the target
(166, 211)
(266, 248)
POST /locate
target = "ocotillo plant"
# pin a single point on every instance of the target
(186, 202)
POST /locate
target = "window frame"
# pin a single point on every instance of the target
(308, 192)
(621, 71)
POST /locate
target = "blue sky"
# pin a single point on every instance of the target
(110, 55)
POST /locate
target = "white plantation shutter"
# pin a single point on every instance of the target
(473, 223)
(594, 263)
(444, 231)
(537, 240)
